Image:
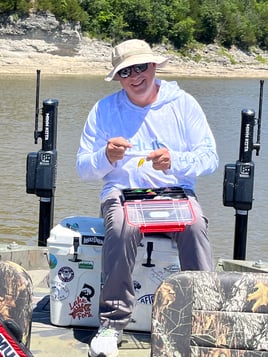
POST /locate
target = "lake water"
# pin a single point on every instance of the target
(221, 99)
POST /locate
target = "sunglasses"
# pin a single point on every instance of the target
(138, 68)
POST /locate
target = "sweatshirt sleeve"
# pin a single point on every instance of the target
(92, 163)
(201, 157)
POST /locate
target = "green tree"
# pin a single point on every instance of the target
(228, 22)
(100, 17)
(237, 24)
(181, 24)
(181, 33)
(44, 5)
(159, 25)
(243, 23)
(69, 10)
(15, 6)
(206, 21)
(262, 23)
(137, 15)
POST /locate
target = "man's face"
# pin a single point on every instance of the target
(140, 87)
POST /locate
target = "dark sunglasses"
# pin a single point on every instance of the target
(138, 68)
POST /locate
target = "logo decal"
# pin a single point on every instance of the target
(66, 274)
(58, 291)
(81, 307)
(146, 299)
(52, 261)
(86, 265)
(92, 240)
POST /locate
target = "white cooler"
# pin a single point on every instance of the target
(75, 273)
(75, 248)
(146, 278)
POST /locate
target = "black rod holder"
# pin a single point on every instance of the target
(239, 178)
(48, 167)
(42, 165)
(244, 181)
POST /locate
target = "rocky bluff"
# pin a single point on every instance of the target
(65, 37)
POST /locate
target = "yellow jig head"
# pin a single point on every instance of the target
(141, 162)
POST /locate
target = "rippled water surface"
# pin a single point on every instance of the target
(221, 99)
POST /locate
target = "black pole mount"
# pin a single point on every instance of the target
(42, 165)
(238, 181)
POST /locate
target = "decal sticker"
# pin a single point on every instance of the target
(52, 261)
(92, 240)
(86, 265)
(87, 291)
(58, 291)
(146, 299)
(137, 285)
(81, 307)
(172, 268)
(66, 274)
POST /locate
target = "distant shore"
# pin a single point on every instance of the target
(25, 57)
(55, 65)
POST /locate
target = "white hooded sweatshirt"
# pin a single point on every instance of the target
(175, 121)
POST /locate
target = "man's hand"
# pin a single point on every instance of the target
(116, 148)
(160, 158)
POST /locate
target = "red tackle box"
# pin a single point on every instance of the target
(164, 209)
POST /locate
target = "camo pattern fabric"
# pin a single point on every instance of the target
(204, 314)
(16, 297)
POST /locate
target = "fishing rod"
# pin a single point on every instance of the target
(239, 177)
(41, 165)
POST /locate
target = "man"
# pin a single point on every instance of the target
(156, 120)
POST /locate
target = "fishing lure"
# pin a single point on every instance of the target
(141, 162)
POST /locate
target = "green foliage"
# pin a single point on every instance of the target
(227, 54)
(21, 7)
(260, 59)
(207, 22)
(262, 24)
(238, 23)
(69, 10)
(100, 17)
(243, 23)
(182, 32)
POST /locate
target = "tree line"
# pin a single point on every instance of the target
(181, 23)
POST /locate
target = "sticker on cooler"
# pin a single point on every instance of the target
(75, 283)
(81, 307)
(157, 258)
(66, 274)
(58, 291)
(52, 261)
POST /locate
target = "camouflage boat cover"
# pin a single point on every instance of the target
(16, 297)
(218, 314)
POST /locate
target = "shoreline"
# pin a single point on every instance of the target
(92, 58)
(77, 65)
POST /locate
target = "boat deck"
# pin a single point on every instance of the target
(48, 340)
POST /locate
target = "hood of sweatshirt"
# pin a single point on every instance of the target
(168, 91)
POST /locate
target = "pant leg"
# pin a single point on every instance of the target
(118, 259)
(193, 244)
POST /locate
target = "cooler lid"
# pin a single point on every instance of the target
(90, 228)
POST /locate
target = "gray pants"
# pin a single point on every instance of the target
(119, 253)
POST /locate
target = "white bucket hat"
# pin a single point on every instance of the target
(132, 52)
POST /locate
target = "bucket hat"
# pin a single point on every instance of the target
(132, 52)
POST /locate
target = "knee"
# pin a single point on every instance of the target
(200, 225)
